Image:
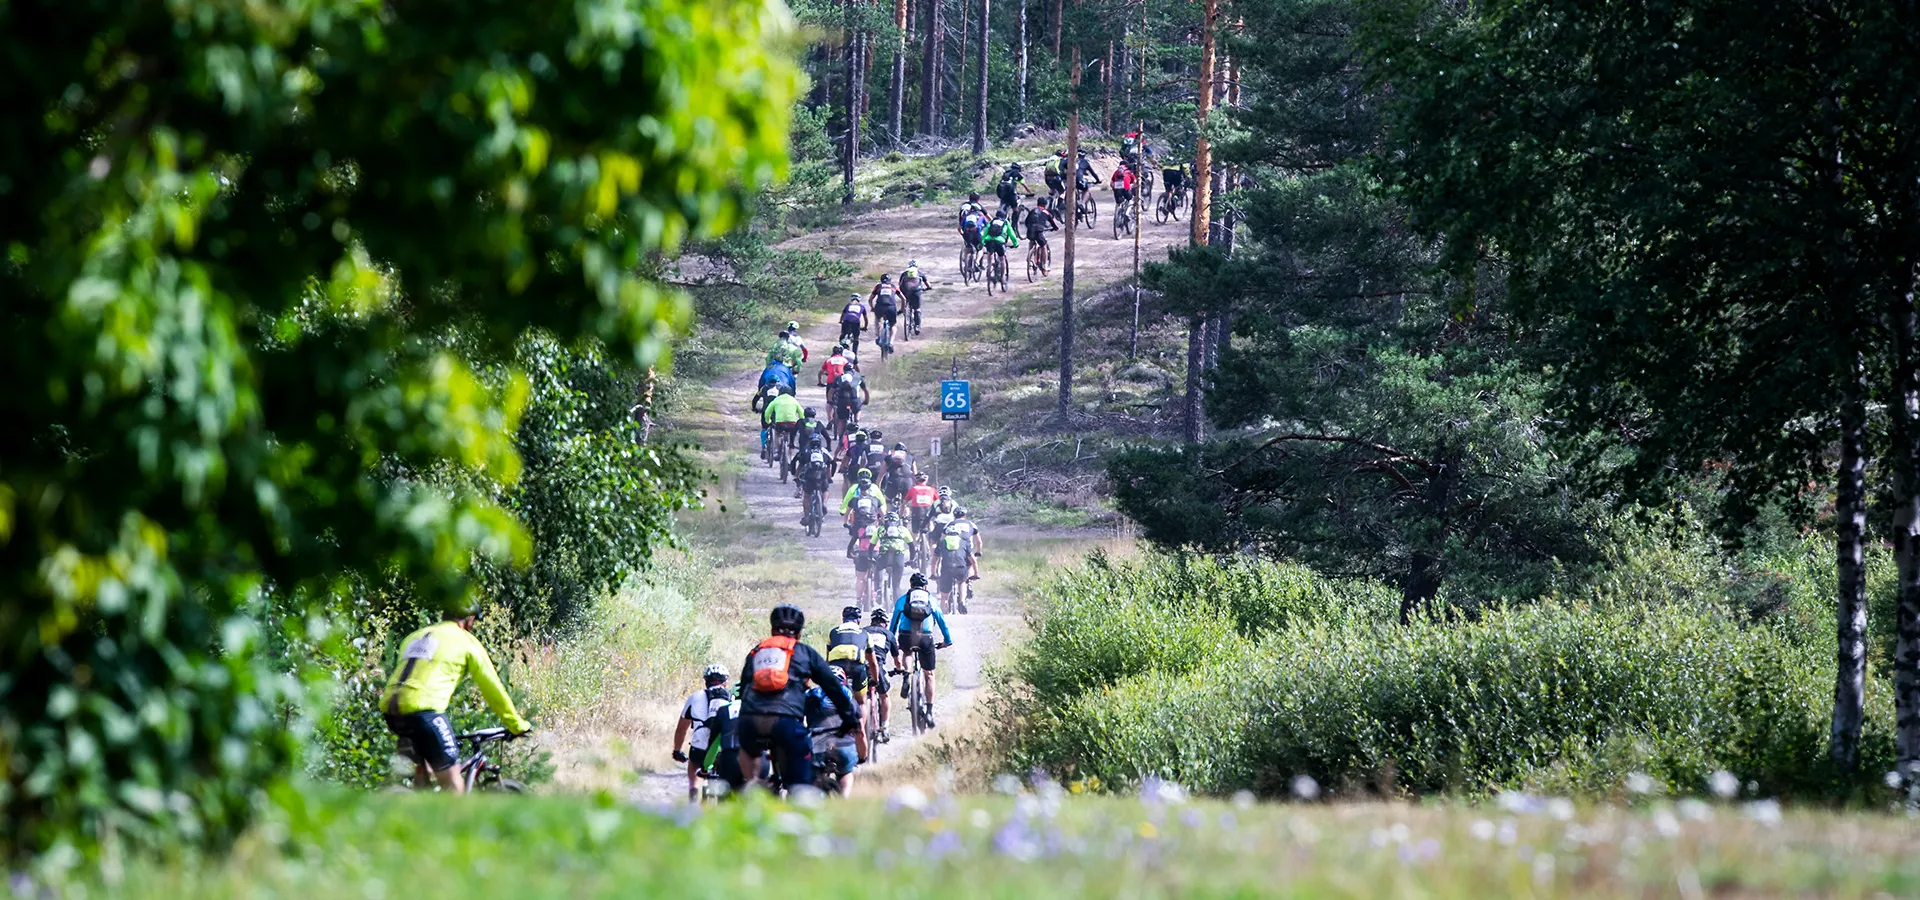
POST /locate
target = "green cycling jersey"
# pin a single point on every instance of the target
(432, 662)
(1000, 231)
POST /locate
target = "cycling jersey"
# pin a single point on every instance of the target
(972, 215)
(832, 367)
(848, 641)
(1053, 167)
(878, 503)
(1001, 232)
(432, 662)
(895, 537)
(910, 280)
(886, 301)
(1039, 222)
(922, 496)
(854, 313)
(785, 353)
(901, 623)
(966, 532)
(782, 410)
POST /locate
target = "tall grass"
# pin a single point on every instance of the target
(1230, 676)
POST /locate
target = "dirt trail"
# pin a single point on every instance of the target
(879, 242)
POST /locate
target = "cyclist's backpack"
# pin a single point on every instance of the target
(863, 508)
(772, 660)
(1129, 145)
(975, 221)
(918, 607)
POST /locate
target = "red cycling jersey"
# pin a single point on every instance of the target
(922, 495)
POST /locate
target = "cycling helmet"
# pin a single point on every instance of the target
(900, 445)
(999, 213)
(1060, 153)
(463, 608)
(793, 327)
(879, 618)
(945, 492)
(854, 296)
(849, 613)
(857, 435)
(959, 512)
(839, 349)
(913, 264)
(973, 196)
(873, 434)
(715, 673)
(787, 617)
(920, 477)
(893, 516)
(866, 475)
(918, 580)
(810, 412)
(886, 279)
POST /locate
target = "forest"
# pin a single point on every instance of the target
(1524, 399)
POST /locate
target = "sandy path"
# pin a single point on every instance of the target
(885, 241)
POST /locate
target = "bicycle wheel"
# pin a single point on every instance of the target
(966, 270)
(915, 700)
(1093, 212)
(1033, 264)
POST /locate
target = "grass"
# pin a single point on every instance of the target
(1039, 843)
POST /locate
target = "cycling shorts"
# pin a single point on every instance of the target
(426, 736)
(1056, 184)
(786, 737)
(972, 239)
(997, 248)
(921, 644)
(863, 560)
(881, 683)
(913, 297)
(856, 673)
(1037, 237)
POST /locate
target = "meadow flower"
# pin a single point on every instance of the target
(906, 797)
(1639, 783)
(1481, 829)
(943, 844)
(1244, 799)
(1007, 784)
(1304, 787)
(1766, 812)
(1723, 784)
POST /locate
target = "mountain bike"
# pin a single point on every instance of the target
(997, 272)
(816, 511)
(1146, 183)
(1169, 204)
(918, 709)
(870, 720)
(1038, 258)
(885, 338)
(477, 771)
(1122, 219)
(969, 264)
(1086, 210)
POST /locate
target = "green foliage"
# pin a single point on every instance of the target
(237, 241)
(1556, 694)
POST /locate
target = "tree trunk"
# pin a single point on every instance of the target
(1068, 203)
(960, 81)
(853, 86)
(1425, 569)
(1023, 62)
(1423, 584)
(1106, 75)
(897, 88)
(1196, 338)
(1904, 455)
(1059, 16)
(1850, 509)
(930, 72)
(980, 95)
(1202, 152)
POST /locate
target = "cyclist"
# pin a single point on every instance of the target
(695, 715)
(784, 350)
(862, 506)
(1011, 181)
(830, 732)
(1174, 178)
(851, 455)
(1130, 149)
(899, 473)
(909, 624)
(885, 299)
(866, 558)
(776, 374)
(793, 337)
(1040, 220)
(809, 430)
(782, 414)
(999, 236)
(853, 320)
(1122, 183)
(883, 653)
(951, 560)
(971, 542)
(847, 651)
(945, 505)
(911, 284)
(813, 471)
(920, 500)
(848, 393)
(831, 368)
(1084, 175)
(973, 220)
(773, 698)
(1056, 165)
(431, 663)
(895, 538)
(876, 451)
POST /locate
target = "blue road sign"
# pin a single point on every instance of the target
(956, 400)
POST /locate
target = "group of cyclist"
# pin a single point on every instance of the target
(795, 708)
(999, 232)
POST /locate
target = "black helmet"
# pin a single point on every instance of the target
(787, 617)
(900, 445)
(918, 580)
(974, 196)
(886, 279)
(879, 616)
(811, 412)
(874, 434)
(849, 613)
(920, 477)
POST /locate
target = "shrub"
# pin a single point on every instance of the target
(1556, 695)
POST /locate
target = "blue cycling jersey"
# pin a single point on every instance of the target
(776, 373)
(901, 623)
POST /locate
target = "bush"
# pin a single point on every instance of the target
(1556, 695)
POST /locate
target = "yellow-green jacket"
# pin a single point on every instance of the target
(432, 662)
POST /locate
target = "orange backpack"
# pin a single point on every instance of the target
(771, 660)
